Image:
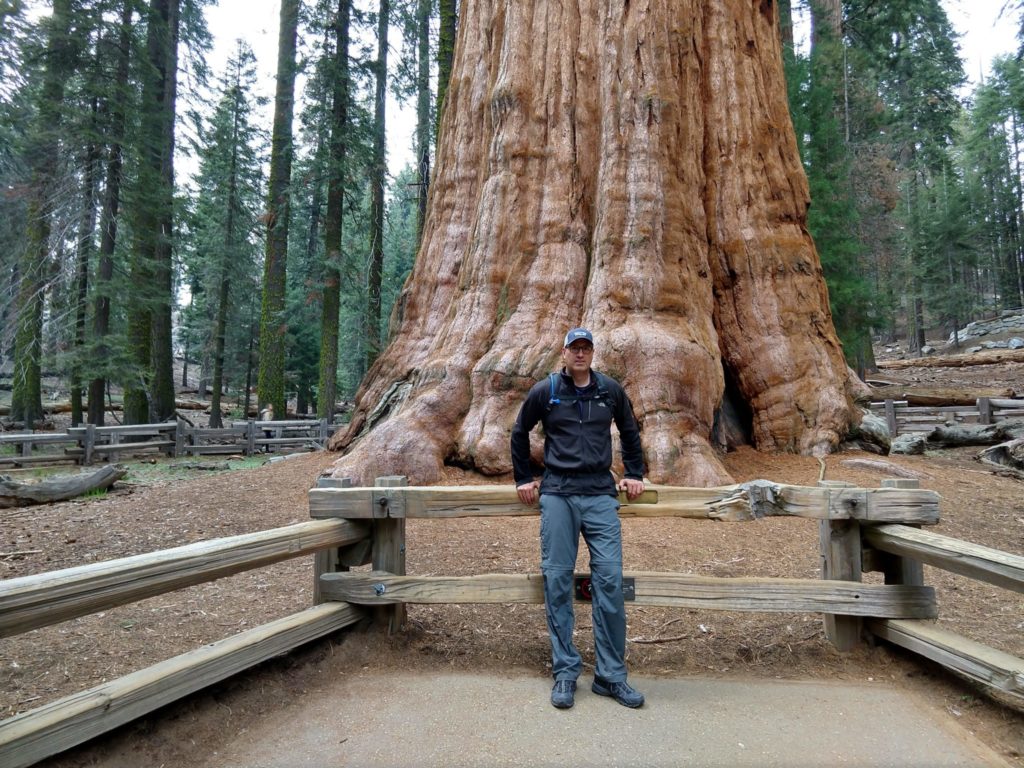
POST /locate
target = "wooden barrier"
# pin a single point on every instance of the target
(903, 418)
(861, 530)
(975, 660)
(971, 560)
(30, 602)
(173, 438)
(32, 736)
(733, 503)
(34, 601)
(669, 590)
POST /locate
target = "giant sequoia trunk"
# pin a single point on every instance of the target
(631, 167)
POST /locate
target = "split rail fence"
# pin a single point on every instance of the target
(860, 529)
(903, 418)
(84, 445)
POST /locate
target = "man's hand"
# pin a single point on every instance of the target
(631, 486)
(528, 492)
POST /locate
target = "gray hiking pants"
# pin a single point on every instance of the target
(562, 520)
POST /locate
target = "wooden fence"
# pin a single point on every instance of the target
(903, 418)
(43, 599)
(860, 530)
(84, 445)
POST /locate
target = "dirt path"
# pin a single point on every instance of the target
(48, 663)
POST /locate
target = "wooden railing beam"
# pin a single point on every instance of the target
(29, 602)
(972, 560)
(32, 736)
(734, 503)
(674, 590)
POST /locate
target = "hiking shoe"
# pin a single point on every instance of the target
(563, 694)
(620, 691)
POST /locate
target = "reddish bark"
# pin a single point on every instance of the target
(631, 167)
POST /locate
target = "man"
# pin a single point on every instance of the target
(578, 494)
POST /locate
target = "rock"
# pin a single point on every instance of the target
(927, 349)
(873, 429)
(972, 350)
(1015, 343)
(908, 445)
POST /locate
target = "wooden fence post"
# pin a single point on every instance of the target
(984, 410)
(250, 439)
(179, 438)
(901, 570)
(326, 560)
(88, 443)
(840, 560)
(324, 434)
(890, 417)
(389, 546)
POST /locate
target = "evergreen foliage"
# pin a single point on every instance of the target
(223, 261)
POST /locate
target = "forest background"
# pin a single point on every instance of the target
(155, 208)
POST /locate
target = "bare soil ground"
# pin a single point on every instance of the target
(166, 509)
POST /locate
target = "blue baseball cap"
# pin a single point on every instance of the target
(578, 334)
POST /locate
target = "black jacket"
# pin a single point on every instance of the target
(577, 435)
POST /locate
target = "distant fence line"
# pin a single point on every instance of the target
(902, 417)
(87, 444)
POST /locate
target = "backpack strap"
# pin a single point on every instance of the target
(602, 387)
(553, 399)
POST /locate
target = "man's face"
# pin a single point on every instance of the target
(578, 356)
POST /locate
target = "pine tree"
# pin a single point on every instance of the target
(378, 173)
(149, 390)
(273, 322)
(116, 107)
(445, 54)
(227, 208)
(333, 226)
(43, 152)
(423, 122)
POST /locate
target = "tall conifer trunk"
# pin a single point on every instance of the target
(44, 149)
(109, 214)
(161, 341)
(273, 323)
(448, 11)
(378, 172)
(422, 114)
(630, 167)
(84, 250)
(334, 222)
(228, 255)
(149, 392)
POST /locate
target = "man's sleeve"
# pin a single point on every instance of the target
(529, 414)
(629, 434)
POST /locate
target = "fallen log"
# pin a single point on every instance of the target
(958, 361)
(884, 466)
(936, 396)
(976, 434)
(1008, 457)
(14, 493)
